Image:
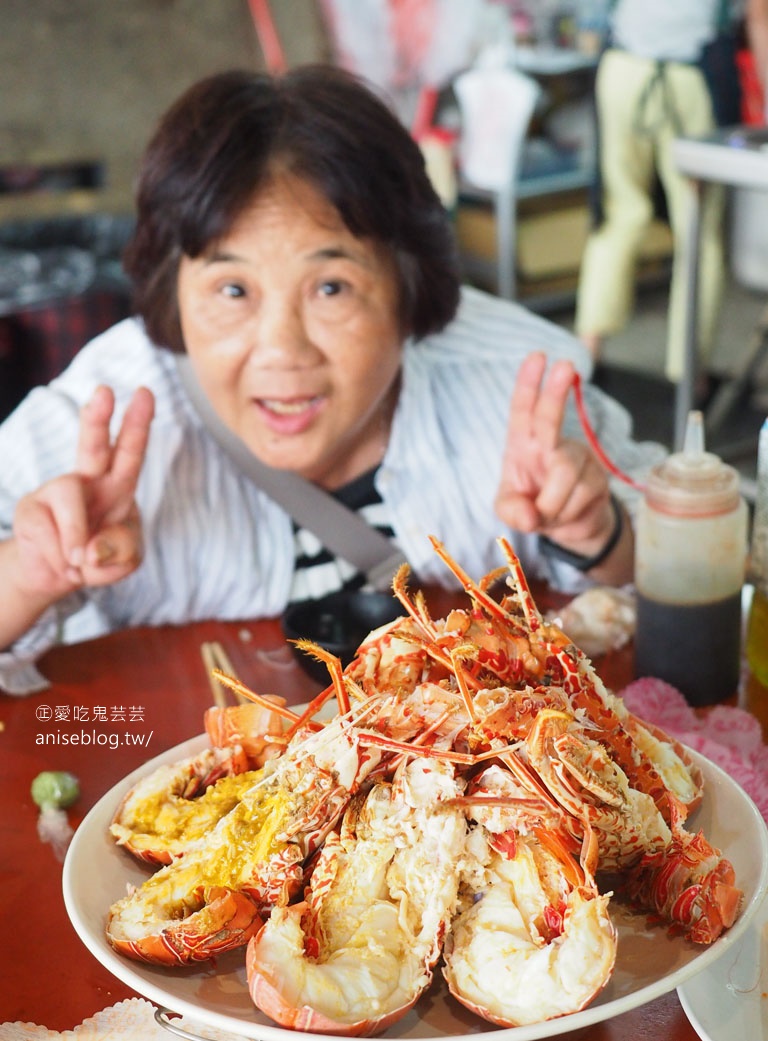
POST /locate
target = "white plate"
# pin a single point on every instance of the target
(649, 963)
(728, 999)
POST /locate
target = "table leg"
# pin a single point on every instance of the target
(684, 393)
(730, 393)
(505, 204)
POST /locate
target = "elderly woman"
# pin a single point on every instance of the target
(289, 244)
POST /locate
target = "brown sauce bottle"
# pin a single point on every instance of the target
(690, 560)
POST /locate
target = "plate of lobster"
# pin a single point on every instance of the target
(479, 838)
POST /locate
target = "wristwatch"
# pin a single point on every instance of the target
(557, 552)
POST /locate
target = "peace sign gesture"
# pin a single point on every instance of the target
(106, 534)
(552, 485)
(81, 529)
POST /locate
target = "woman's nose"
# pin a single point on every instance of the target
(279, 335)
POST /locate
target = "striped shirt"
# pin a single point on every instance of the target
(217, 547)
(317, 571)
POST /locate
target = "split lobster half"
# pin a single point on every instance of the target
(360, 950)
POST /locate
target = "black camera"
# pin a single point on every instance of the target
(338, 623)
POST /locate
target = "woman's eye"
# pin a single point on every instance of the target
(331, 288)
(233, 289)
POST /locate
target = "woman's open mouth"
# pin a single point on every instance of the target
(287, 408)
(289, 415)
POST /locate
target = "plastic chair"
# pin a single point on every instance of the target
(496, 106)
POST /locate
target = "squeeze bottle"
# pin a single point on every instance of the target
(690, 560)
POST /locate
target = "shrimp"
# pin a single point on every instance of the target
(594, 790)
(690, 884)
(524, 650)
(257, 729)
(476, 779)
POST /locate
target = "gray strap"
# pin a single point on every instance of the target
(340, 529)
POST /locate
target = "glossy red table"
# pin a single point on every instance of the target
(145, 690)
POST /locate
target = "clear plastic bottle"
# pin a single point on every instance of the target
(757, 625)
(690, 562)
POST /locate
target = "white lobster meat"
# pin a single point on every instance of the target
(528, 946)
(360, 951)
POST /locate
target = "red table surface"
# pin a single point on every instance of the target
(47, 976)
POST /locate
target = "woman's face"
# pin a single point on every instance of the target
(291, 325)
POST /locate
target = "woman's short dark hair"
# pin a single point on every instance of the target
(225, 138)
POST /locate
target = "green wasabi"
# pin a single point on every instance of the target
(55, 788)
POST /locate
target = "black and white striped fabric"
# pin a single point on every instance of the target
(318, 572)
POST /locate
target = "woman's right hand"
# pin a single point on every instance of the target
(84, 529)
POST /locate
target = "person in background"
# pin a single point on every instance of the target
(669, 71)
(289, 242)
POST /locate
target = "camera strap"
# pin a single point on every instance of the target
(339, 529)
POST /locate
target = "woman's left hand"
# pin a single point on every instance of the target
(552, 485)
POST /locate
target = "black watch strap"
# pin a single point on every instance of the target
(578, 560)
